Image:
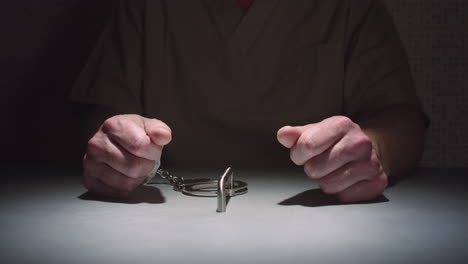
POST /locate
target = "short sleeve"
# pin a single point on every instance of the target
(113, 74)
(377, 72)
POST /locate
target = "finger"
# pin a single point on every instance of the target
(102, 149)
(365, 190)
(289, 135)
(318, 138)
(158, 131)
(349, 175)
(95, 186)
(112, 178)
(352, 147)
(129, 132)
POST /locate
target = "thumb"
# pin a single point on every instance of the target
(158, 131)
(289, 135)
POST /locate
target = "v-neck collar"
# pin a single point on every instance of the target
(226, 15)
(237, 27)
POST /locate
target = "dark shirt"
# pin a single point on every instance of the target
(245, 4)
(225, 82)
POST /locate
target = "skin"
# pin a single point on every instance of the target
(353, 162)
(122, 152)
(339, 156)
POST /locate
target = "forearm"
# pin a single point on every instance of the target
(397, 134)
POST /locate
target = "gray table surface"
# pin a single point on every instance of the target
(49, 218)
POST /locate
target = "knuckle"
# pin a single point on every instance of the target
(116, 123)
(344, 122)
(134, 168)
(138, 143)
(111, 124)
(347, 150)
(359, 146)
(308, 143)
(327, 186)
(98, 151)
(374, 164)
(309, 169)
(362, 144)
(94, 146)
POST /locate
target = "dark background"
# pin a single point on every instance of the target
(44, 44)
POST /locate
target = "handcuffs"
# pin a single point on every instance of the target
(221, 188)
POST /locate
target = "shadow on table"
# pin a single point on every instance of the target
(317, 198)
(144, 194)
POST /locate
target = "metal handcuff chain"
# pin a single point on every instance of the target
(221, 188)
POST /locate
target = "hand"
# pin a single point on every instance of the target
(122, 153)
(339, 155)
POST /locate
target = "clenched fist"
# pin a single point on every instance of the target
(339, 155)
(122, 153)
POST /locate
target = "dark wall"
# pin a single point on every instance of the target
(45, 43)
(435, 33)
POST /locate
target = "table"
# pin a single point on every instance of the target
(48, 217)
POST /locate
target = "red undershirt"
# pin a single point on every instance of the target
(245, 4)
